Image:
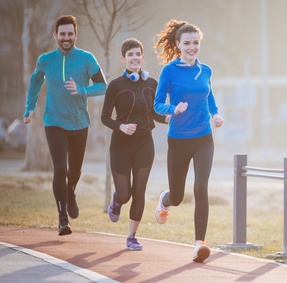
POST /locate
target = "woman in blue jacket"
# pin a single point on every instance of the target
(184, 91)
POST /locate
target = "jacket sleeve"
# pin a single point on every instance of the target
(108, 107)
(160, 105)
(95, 73)
(212, 106)
(158, 118)
(36, 82)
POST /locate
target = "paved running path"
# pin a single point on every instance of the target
(105, 254)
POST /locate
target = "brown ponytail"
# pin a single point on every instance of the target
(167, 39)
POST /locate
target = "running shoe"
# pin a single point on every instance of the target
(114, 211)
(201, 251)
(161, 212)
(72, 206)
(64, 226)
(133, 244)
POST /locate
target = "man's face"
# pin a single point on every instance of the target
(66, 37)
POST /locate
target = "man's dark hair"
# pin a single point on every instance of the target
(65, 20)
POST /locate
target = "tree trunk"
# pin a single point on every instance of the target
(37, 38)
(11, 71)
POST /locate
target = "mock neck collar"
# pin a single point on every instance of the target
(71, 51)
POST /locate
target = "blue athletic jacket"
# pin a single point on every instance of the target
(180, 82)
(62, 108)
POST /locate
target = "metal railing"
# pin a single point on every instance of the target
(241, 172)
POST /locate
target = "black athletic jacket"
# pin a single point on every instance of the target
(133, 103)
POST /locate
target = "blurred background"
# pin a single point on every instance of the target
(243, 43)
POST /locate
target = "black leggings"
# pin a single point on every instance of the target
(67, 149)
(131, 159)
(180, 153)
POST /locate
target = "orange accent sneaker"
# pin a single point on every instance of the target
(161, 213)
(201, 251)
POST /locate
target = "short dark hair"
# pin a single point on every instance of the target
(129, 44)
(65, 20)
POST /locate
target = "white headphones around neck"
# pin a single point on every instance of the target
(135, 76)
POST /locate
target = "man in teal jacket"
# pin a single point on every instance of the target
(67, 71)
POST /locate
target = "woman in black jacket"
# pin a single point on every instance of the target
(131, 95)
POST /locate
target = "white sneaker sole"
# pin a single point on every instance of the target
(202, 254)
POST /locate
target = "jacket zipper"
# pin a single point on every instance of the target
(63, 68)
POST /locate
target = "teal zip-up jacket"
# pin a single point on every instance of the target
(180, 82)
(64, 109)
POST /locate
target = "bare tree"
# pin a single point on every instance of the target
(105, 18)
(37, 38)
(11, 83)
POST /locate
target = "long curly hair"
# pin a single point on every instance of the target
(165, 47)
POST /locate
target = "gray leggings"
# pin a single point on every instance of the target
(180, 153)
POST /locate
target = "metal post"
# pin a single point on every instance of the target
(239, 206)
(284, 253)
(240, 200)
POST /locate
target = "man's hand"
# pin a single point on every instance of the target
(27, 119)
(71, 85)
